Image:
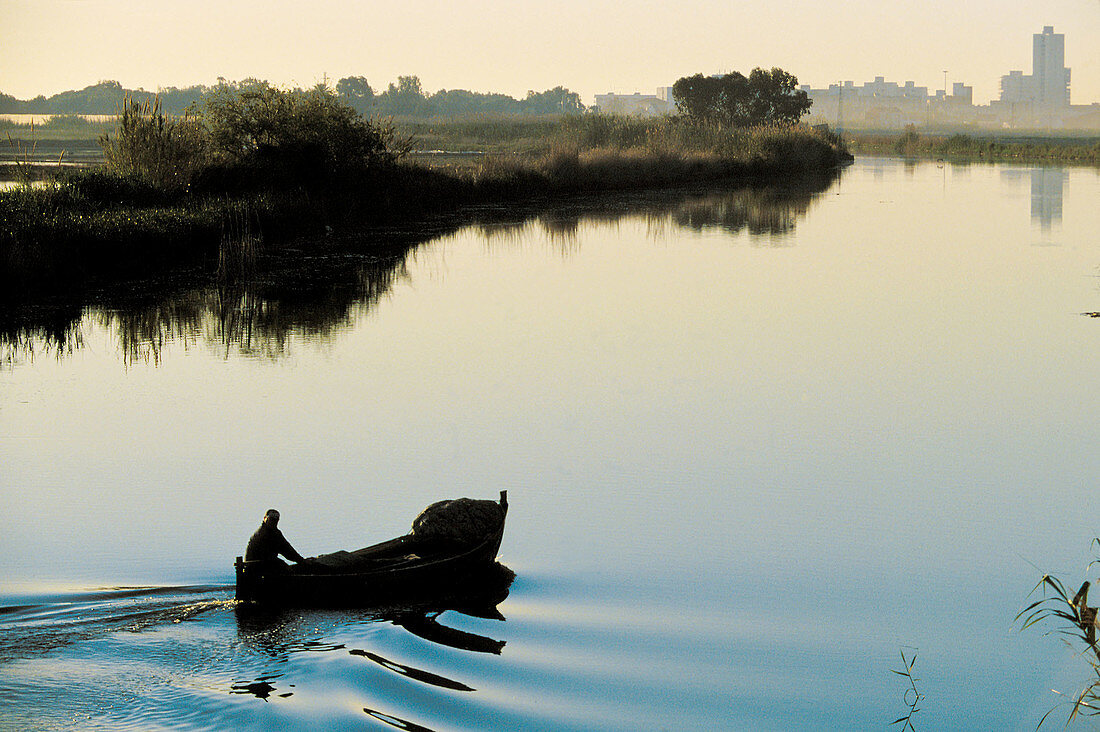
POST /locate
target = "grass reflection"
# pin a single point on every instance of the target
(253, 301)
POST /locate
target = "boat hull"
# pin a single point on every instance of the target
(400, 574)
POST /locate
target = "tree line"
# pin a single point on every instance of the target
(729, 100)
(406, 97)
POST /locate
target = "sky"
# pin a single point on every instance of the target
(589, 46)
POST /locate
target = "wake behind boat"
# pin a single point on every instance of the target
(453, 545)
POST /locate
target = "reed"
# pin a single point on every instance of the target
(154, 148)
(912, 696)
(1072, 619)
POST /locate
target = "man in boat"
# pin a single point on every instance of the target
(268, 543)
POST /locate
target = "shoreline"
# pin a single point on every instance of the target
(99, 228)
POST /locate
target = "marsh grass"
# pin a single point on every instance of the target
(152, 147)
(23, 154)
(241, 242)
(167, 195)
(1074, 621)
(984, 148)
(59, 127)
(619, 153)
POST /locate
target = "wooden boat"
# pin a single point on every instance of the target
(407, 568)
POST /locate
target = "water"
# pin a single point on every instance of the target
(756, 444)
(40, 119)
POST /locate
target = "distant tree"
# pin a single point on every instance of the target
(557, 100)
(178, 101)
(355, 92)
(732, 100)
(775, 97)
(406, 97)
(461, 101)
(106, 97)
(718, 100)
(10, 105)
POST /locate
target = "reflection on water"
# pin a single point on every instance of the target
(1047, 184)
(258, 308)
(1047, 191)
(738, 470)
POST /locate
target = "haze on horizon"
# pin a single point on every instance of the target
(591, 47)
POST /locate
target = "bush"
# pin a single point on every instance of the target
(294, 137)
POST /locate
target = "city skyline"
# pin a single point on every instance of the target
(48, 46)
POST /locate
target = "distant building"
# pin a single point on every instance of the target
(1048, 84)
(1048, 66)
(1039, 100)
(637, 105)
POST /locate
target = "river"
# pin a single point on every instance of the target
(757, 444)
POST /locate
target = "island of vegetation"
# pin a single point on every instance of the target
(1071, 149)
(256, 164)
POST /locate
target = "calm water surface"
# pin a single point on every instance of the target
(755, 443)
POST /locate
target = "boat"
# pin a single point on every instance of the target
(412, 568)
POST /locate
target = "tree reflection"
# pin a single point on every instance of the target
(255, 303)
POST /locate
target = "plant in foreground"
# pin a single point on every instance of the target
(912, 696)
(1074, 620)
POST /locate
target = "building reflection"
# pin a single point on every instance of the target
(1047, 187)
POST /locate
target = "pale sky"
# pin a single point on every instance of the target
(589, 46)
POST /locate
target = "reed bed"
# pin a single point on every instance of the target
(58, 127)
(171, 188)
(911, 143)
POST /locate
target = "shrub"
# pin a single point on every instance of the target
(295, 137)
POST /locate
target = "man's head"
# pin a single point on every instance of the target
(271, 518)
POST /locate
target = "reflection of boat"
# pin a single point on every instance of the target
(418, 566)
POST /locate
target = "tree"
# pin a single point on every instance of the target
(407, 97)
(355, 92)
(732, 100)
(775, 97)
(557, 100)
(719, 100)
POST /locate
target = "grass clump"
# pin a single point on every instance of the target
(155, 149)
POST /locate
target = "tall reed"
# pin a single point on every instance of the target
(1076, 623)
(152, 147)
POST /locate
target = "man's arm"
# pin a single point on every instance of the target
(288, 551)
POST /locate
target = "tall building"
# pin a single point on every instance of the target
(1047, 86)
(1048, 66)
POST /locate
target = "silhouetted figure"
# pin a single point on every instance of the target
(268, 542)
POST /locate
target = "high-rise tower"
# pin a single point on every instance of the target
(1048, 68)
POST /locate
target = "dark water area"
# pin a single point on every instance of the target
(756, 443)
